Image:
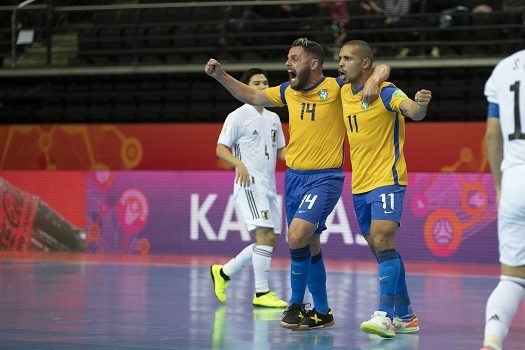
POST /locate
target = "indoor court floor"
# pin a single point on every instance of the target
(60, 301)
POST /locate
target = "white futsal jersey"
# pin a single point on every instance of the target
(505, 91)
(506, 88)
(254, 139)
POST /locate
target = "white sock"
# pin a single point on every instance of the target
(501, 308)
(243, 259)
(262, 257)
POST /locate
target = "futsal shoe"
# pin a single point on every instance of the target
(219, 283)
(406, 325)
(293, 316)
(379, 324)
(269, 299)
(314, 319)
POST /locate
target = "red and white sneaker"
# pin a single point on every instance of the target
(406, 325)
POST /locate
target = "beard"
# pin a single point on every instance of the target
(298, 82)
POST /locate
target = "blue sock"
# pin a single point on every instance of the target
(317, 283)
(389, 270)
(402, 300)
(299, 272)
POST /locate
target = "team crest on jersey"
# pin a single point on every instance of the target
(323, 94)
(265, 214)
(364, 105)
(274, 135)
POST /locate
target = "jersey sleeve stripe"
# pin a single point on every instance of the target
(386, 96)
(396, 149)
(283, 89)
(493, 110)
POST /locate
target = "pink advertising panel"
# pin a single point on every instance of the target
(447, 216)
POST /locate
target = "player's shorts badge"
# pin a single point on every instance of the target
(265, 214)
(323, 94)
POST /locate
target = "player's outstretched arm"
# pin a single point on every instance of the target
(371, 88)
(241, 172)
(240, 91)
(416, 110)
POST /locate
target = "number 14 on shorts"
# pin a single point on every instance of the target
(308, 199)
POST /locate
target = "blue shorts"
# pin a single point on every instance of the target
(311, 195)
(382, 203)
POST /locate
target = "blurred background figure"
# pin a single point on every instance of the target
(28, 223)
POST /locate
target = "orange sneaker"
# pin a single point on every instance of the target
(406, 325)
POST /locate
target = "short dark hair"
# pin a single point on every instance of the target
(312, 47)
(246, 76)
(364, 47)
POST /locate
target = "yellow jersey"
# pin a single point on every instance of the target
(376, 134)
(316, 128)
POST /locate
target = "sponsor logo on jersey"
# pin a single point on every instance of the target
(255, 132)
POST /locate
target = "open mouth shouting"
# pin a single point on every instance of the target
(292, 76)
(342, 74)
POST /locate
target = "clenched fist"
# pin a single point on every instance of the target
(213, 68)
(423, 97)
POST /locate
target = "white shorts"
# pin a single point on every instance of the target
(258, 210)
(511, 217)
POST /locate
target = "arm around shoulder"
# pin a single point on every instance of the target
(371, 87)
(381, 73)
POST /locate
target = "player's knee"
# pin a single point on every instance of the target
(382, 240)
(266, 237)
(296, 239)
(270, 240)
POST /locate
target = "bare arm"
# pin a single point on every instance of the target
(281, 153)
(416, 110)
(494, 142)
(241, 172)
(240, 91)
(371, 88)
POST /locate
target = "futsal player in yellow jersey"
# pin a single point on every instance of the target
(312, 118)
(314, 157)
(376, 134)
